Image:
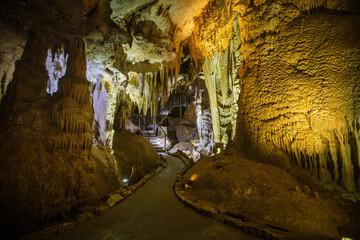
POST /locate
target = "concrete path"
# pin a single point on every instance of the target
(153, 212)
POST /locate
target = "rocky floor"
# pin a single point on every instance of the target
(153, 212)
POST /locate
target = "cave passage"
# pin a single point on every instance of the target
(153, 212)
(260, 99)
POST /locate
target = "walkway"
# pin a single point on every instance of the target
(153, 212)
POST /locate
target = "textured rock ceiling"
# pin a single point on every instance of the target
(158, 27)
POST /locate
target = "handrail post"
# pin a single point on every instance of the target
(139, 126)
(144, 128)
(180, 108)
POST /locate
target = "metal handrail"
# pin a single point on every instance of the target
(165, 136)
(148, 133)
(158, 123)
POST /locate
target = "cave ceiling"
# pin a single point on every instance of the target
(141, 35)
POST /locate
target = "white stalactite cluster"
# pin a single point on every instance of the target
(145, 89)
(56, 67)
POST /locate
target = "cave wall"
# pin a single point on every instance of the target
(12, 43)
(47, 169)
(297, 69)
(300, 87)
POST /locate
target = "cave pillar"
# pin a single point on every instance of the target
(72, 110)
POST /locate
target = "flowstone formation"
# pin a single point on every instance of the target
(300, 87)
(72, 112)
(222, 83)
(282, 78)
(298, 113)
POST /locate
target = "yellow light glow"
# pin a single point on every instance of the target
(194, 177)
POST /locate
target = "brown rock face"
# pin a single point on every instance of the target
(42, 179)
(282, 78)
(135, 156)
(186, 132)
(300, 89)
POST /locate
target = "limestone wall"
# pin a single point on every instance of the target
(47, 171)
(301, 87)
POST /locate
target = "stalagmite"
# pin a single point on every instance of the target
(72, 111)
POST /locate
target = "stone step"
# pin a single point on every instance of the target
(155, 141)
(148, 131)
(147, 136)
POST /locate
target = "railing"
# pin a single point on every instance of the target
(176, 101)
(164, 137)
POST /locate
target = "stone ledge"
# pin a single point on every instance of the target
(114, 198)
(240, 222)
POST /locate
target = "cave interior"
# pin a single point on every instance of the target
(260, 98)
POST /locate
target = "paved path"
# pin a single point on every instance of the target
(153, 212)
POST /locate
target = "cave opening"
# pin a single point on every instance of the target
(247, 110)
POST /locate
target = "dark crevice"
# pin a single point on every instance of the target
(277, 228)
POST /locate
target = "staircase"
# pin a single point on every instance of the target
(174, 105)
(155, 141)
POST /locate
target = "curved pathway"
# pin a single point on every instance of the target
(153, 212)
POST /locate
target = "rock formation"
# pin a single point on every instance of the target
(300, 85)
(72, 111)
(12, 44)
(221, 74)
(277, 85)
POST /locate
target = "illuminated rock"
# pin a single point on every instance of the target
(222, 83)
(72, 111)
(282, 79)
(56, 67)
(11, 48)
(300, 89)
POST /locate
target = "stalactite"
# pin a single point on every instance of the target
(222, 83)
(338, 154)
